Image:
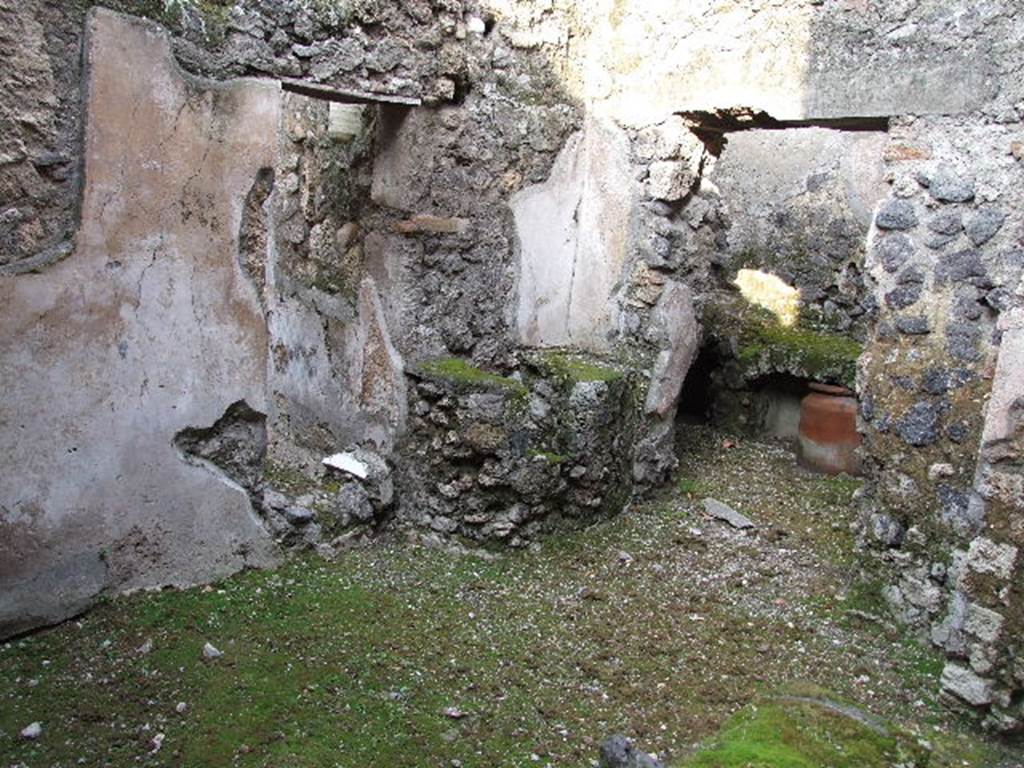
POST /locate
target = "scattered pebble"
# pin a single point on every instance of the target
(32, 731)
(210, 652)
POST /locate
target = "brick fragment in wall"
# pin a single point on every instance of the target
(437, 225)
(896, 153)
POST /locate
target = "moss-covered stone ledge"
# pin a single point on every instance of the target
(462, 375)
(572, 367)
(815, 355)
(761, 345)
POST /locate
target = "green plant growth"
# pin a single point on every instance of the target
(342, 12)
(691, 487)
(816, 353)
(465, 374)
(573, 368)
(805, 732)
(762, 344)
(806, 727)
(403, 656)
(549, 456)
(288, 478)
(215, 13)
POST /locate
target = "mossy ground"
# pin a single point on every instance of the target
(812, 730)
(793, 734)
(660, 624)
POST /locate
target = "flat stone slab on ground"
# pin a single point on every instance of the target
(724, 512)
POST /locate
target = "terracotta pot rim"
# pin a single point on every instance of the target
(830, 389)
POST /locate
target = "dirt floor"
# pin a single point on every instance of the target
(660, 624)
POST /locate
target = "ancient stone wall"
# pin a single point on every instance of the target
(412, 49)
(798, 204)
(295, 279)
(946, 261)
(147, 330)
(40, 158)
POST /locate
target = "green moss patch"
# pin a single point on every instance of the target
(464, 374)
(762, 345)
(288, 478)
(816, 353)
(806, 727)
(549, 456)
(574, 368)
(688, 486)
(803, 732)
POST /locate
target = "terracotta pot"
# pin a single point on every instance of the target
(828, 430)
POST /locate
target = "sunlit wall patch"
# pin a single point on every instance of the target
(770, 292)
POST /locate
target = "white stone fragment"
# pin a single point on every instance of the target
(32, 731)
(210, 652)
(475, 25)
(935, 471)
(669, 180)
(676, 318)
(347, 462)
